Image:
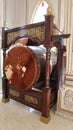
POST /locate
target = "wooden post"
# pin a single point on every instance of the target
(46, 95)
(48, 34)
(5, 97)
(47, 90)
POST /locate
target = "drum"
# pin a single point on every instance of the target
(25, 66)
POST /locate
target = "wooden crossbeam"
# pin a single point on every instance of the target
(58, 37)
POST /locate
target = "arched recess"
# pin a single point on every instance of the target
(40, 10)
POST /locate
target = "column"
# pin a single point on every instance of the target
(65, 95)
(69, 43)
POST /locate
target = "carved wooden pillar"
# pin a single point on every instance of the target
(47, 90)
(48, 34)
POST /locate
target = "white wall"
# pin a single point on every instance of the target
(1, 22)
(1, 12)
(16, 13)
(1, 15)
(19, 12)
(31, 8)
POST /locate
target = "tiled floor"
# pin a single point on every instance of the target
(16, 116)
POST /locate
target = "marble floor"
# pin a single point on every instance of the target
(16, 116)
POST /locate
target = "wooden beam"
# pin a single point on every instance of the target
(58, 37)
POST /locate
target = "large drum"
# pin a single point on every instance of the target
(25, 66)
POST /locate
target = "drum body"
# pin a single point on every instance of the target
(25, 66)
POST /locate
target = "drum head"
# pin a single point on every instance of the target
(21, 67)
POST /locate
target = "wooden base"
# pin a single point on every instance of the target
(5, 100)
(40, 100)
(45, 120)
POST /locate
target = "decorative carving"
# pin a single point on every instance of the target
(31, 99)
(65, 54)
(14, 93)
(49, 10)
(68, 99)
(11, 36)
(33, 32)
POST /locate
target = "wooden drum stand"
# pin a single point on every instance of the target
(41, 34)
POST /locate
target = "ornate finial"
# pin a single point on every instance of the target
(49, 10)
(5, 24)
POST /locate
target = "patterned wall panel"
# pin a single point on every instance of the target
(65, 100)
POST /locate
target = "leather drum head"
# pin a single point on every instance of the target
(21, 67)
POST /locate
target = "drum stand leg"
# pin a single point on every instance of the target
(5, 97)
(45, 117)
